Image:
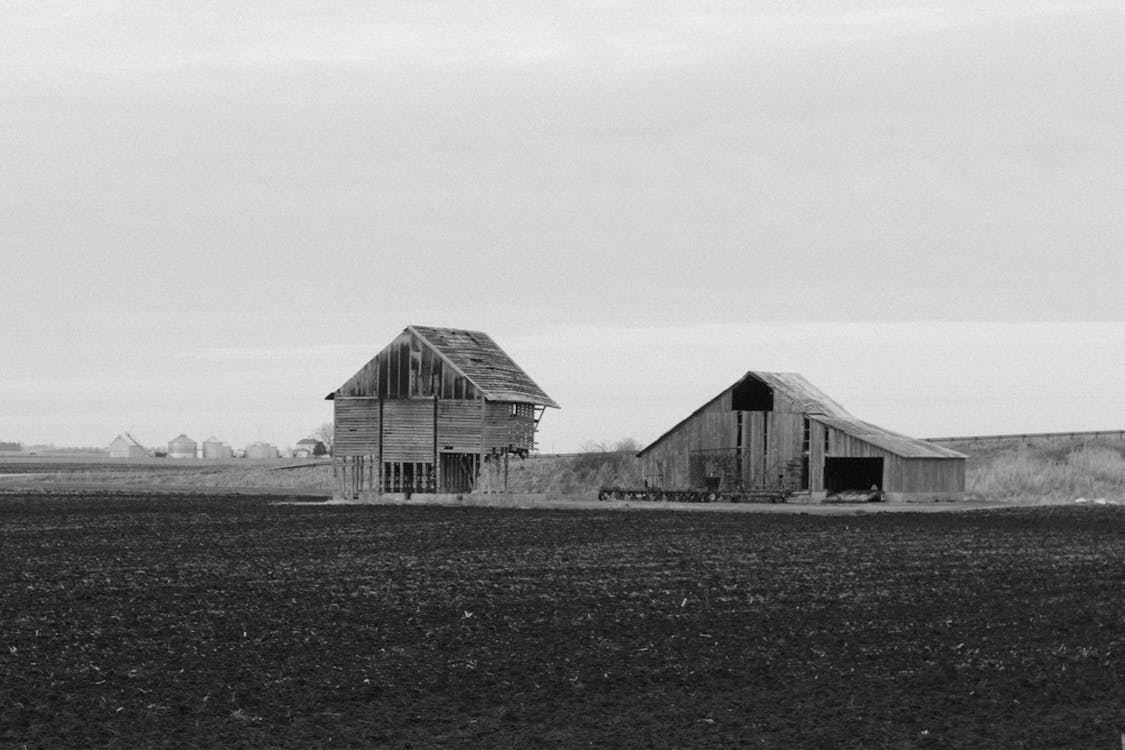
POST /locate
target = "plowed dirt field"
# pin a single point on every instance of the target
(133, 620)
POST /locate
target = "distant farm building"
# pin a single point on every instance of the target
(181, 447)
(215, 448)
(437, 410)
(777, 430)
(310, 448)
(262, 450)
(127, 446)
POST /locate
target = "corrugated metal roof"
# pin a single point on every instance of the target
(892, 442)
(476, 356)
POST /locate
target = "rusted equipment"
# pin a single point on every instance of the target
(744, 495)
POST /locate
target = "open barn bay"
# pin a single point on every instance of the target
(187, 620)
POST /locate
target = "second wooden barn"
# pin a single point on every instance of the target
(778, 431)
(437, 410)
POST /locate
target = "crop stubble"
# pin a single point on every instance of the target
(177, 620)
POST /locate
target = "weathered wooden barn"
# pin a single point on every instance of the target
(776, 430)
(435, 411)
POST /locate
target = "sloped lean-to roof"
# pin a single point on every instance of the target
(479, 359)
(892, 442)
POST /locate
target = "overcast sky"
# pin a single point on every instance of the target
(212, 214)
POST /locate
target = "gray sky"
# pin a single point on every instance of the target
(212, 214)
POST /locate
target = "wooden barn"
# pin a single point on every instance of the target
(776, 430)
(437, 410)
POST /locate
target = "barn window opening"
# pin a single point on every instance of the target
(751, 394)
(806, 435)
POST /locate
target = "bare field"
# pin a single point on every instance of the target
(171, 474)
(134, 620)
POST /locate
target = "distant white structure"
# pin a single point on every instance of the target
(262, 450)
(215, 448)
(310, 447)
(181, 447)
(127, 446)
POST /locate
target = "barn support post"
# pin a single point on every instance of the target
(480, 471)
(379, 462)
(435, 470)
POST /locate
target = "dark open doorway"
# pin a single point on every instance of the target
(843, 474)
(459, 471)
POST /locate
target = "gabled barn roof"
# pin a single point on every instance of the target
(810, 400)
(475, 356)
(805, 396)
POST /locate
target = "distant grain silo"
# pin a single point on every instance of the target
(261, 450)
(181, 447)
(215, 448)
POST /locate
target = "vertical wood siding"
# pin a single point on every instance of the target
(771, 440)
(907, 475)
(408, 368)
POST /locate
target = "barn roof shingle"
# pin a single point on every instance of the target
(476, 356)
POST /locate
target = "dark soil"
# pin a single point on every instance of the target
(202, 621)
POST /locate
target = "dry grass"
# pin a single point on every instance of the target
(1057, 469)
(575, 475)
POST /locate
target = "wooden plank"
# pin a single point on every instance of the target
(483, 420)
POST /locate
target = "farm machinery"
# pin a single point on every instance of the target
(716, 476)
(732, 495)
